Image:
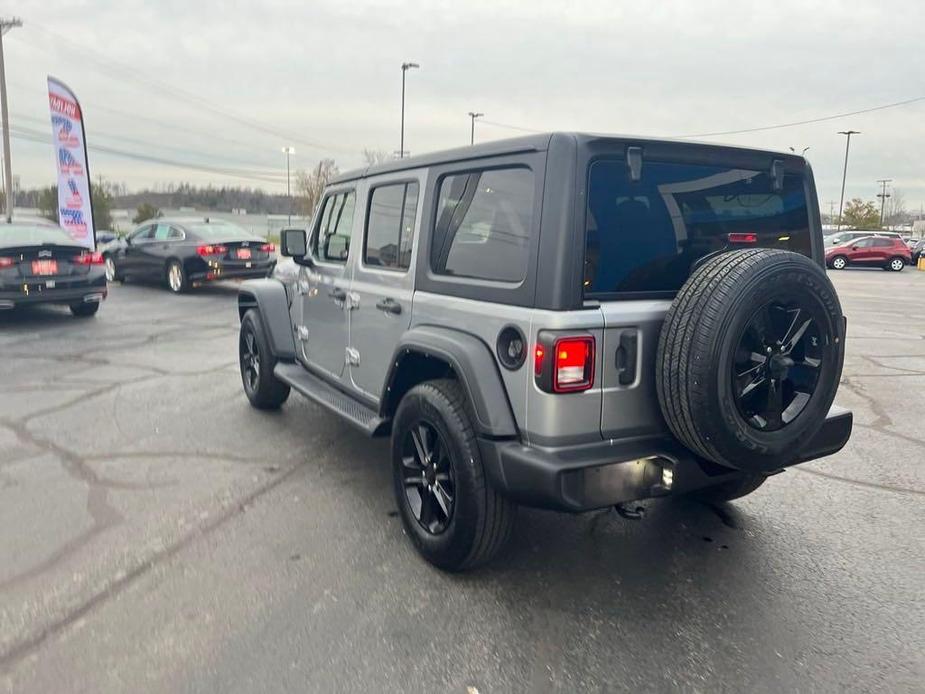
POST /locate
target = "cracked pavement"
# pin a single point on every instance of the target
(158, 534)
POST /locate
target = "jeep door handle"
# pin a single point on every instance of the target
(389, 306)
(338, 294)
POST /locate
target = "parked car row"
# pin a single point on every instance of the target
(184, 252)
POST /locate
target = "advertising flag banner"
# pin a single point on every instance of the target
(75, 214)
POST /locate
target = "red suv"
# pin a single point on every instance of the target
(883, 251)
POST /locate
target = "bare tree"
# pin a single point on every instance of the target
(310, 184)
(376, 156)
(895, 210)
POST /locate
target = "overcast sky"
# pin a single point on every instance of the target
(324, 76)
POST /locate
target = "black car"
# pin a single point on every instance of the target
(187, 252)
(40, 263)
(918, 250)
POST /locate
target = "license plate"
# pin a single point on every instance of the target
(247, 264)
(51, 284)
(44, 267)
(244, 253)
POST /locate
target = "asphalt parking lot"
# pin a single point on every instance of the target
(158, 534)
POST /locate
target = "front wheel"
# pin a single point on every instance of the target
(112, 272)
(839, 262)
(449, 509)
(176, 277)
(263, 389)
(896, 264)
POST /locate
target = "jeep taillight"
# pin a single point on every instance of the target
(564, 364)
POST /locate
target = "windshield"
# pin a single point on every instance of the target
(29, 234)
(219, 230)
(647, 235)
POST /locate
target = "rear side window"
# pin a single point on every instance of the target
(390, 226)
(483, 224)
(331, 242)
(647, 235)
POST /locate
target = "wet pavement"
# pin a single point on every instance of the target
(158, 534)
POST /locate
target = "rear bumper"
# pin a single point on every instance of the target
(95, 291)
(582, 478)
(221, 272)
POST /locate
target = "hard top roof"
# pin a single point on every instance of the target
(530, 143)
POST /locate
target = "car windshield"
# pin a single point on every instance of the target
(219, 230)
(647, 235)
(29, 234)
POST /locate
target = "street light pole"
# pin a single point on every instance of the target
(883, 195)
(473, 115)
(288, 151)
(844, 176)
(5, 26)
(404, 68)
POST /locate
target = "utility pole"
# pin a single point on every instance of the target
(831, 209)
(473, 115)
(5, 26)
(883, 195)
(844, 176)
(404, 68)
(287, 151)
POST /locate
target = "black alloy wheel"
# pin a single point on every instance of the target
(428, 477)
(250, 360)
(776, 366)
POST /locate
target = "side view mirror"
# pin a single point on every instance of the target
(854, 248)
(293, 243)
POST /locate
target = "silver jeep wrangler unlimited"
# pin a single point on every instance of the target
(566, 321)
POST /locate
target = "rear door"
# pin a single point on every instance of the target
(322, 329)
(645, 233)
(382, 287)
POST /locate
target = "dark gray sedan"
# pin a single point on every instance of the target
(40, 263)
(183, 253)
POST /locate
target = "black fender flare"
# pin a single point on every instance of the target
(269, 297)
(474, 365)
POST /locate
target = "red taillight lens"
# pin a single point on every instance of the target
(268, 248)
(211, 250)
(6, 262)
(574, 364)
(94, 258)
(742, 237)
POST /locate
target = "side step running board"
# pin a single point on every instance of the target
(329, 397)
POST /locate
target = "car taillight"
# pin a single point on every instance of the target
(742, 237)
(6, 262)
(564, 364)
(211, 250)
(93, 258)
(268, 248)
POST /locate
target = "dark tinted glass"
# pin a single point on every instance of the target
(25, 234)
(647, 235)
(390, 228)
(484, 222)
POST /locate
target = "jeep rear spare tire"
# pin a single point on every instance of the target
(749, 358)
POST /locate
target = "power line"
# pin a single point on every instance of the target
(188, 98)
(809, 121)
(268, 170)
(36, 136)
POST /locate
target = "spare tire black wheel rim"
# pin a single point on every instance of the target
(428, 477)
(777, 364)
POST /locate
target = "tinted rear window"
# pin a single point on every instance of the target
(646, 235)
(219, 230)
(27, 234)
